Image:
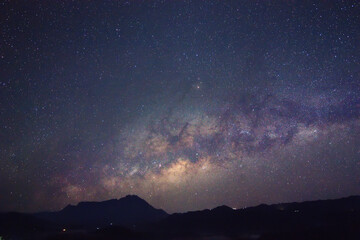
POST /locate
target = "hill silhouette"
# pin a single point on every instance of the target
(133, 218)
(127, 211)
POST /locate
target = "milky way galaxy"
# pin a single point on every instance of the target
(188, 104)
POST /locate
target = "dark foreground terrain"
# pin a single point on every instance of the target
(133, 218)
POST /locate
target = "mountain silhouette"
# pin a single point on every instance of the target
(330, 219)
(133, 218)
(127, 211)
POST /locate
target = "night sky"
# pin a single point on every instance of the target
(188, 104)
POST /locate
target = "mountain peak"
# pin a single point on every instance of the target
(222, 208)
(132, 197)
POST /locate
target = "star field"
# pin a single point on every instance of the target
(188, 104)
